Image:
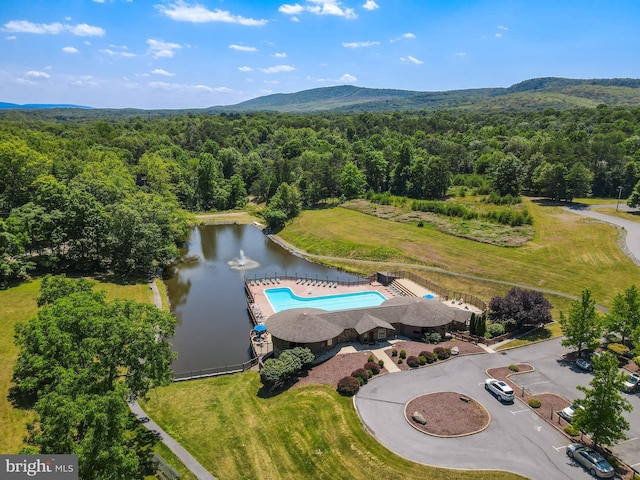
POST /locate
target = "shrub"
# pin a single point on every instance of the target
(429, 357)
(534, 403)
(514, 368)
(435, 337)
(381, 363)
(420, 224)
(394, 353)
(422, 360)
(613, 461)
(618, 348)
(371, 358)
(413, 361)
(361, 373)
(571, 430)
(373, 367)
(441, 353)
(403, 354)
(495, 329)
(399, 361)
(348, 386)
(636, 360)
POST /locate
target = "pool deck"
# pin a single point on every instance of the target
(303, 290)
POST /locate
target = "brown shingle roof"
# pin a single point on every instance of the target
(311, 325)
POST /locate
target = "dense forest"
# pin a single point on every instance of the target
(114, 194)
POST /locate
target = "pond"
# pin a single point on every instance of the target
(206, 291)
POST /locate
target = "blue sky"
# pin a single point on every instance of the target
(200, 53)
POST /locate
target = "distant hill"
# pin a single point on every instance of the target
(534, 94)
(38, 106)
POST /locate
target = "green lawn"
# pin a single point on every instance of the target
(568, 252)
(310, 432)
(18, 304)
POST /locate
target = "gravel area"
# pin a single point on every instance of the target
(448, 414)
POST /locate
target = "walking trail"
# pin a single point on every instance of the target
(179, 451)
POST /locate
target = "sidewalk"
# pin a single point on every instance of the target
(179, 451)
(185, 457)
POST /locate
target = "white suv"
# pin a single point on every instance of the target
(500, 389)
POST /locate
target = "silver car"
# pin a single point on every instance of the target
(591, 460)
(500, 389)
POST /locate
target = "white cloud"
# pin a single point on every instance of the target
(84, 30)
(295, 19)
(278, 69)
(242, 48)
(411, 59)
(116, 53)
(245, 69)
(502, 27)
(280, 55)
(359, 44)
(370, 5)
(498, 35)
(10, 37)
(319, 7)
(187, 88)
(160, 49)
(83, 81)
(81, 30)
(70, 50)
(403, 36)
(160, 71)
(181, 11)
(291, 9)
(461, 54)
(37, 74)
(347, 77)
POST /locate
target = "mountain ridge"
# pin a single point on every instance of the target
(533, 94)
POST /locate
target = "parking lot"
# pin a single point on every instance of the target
(517, 440)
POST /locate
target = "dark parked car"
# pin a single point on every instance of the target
(584, 364)
(591, 460)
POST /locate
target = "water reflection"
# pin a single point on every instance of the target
(207, 293)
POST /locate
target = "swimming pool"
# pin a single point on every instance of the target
(284, 299)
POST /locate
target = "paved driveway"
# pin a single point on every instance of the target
(517, 439)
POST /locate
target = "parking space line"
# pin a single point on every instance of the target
(519, 411)
(634, 465)
(557, 449)
(627, 441)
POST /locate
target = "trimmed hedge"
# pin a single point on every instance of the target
(428, 356)
(373, 367)
(413, 361)
(442, 353)
(361, 373)
(348, 386)
(534, 403)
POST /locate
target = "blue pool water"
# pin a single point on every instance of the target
(284, 299)
(429, 296)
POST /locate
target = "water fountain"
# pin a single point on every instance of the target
(242, 262)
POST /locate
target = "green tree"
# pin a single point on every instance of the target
(81, 359)
(508, 175)
(579, 180)
(353, 181)
(624, 315)
(582, 327)
(602, 417)
(286, 199)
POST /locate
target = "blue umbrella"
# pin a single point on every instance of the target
(260, 328)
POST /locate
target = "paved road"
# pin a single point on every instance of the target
(517, 439)
(632, 229)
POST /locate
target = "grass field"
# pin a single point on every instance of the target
(311, 432)
(567, 254)
(18, 304)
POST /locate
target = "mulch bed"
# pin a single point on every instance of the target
(338, 366)
(414, 348)
(448, 414)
